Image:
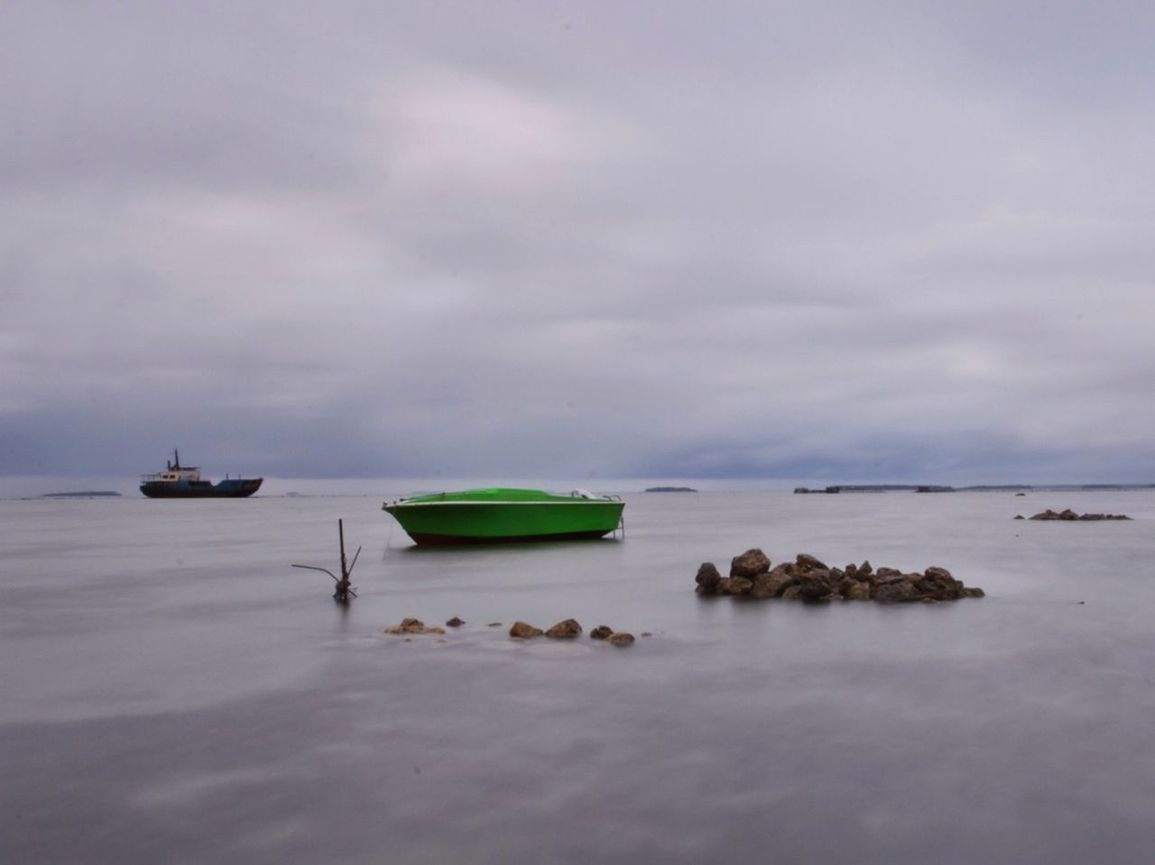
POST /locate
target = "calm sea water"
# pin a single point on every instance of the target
(174, 692)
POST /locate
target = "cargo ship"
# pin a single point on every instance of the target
(185, 482)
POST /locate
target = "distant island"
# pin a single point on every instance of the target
(670, 490)
(84, 494)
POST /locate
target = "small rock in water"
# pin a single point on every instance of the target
(708, 578)
(524, 631)
(601, 632)
(494, 625)
(621, 639)
(455, 622)
(565, 630)
(413, 626)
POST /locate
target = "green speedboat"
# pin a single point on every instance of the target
(504, 515)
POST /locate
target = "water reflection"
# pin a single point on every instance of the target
(221, 713)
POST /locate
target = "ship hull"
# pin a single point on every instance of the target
(237, 488)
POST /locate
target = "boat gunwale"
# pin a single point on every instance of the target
(538, 503)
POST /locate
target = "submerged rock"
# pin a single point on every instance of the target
(455, 622)
(601, 632)
(621, 639)
(413, 626)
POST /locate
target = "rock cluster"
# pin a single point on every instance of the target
(413, 626)
(808, 579)
(1069, 515)
(568, 629)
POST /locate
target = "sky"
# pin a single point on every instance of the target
(833, 241)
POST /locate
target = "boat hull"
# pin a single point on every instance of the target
(237, 488)
(433, 540)
(445, 522)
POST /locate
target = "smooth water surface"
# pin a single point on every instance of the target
(173, 691)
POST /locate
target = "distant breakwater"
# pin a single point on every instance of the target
(980, 488)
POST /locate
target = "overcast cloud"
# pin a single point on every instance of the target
(839, 240)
